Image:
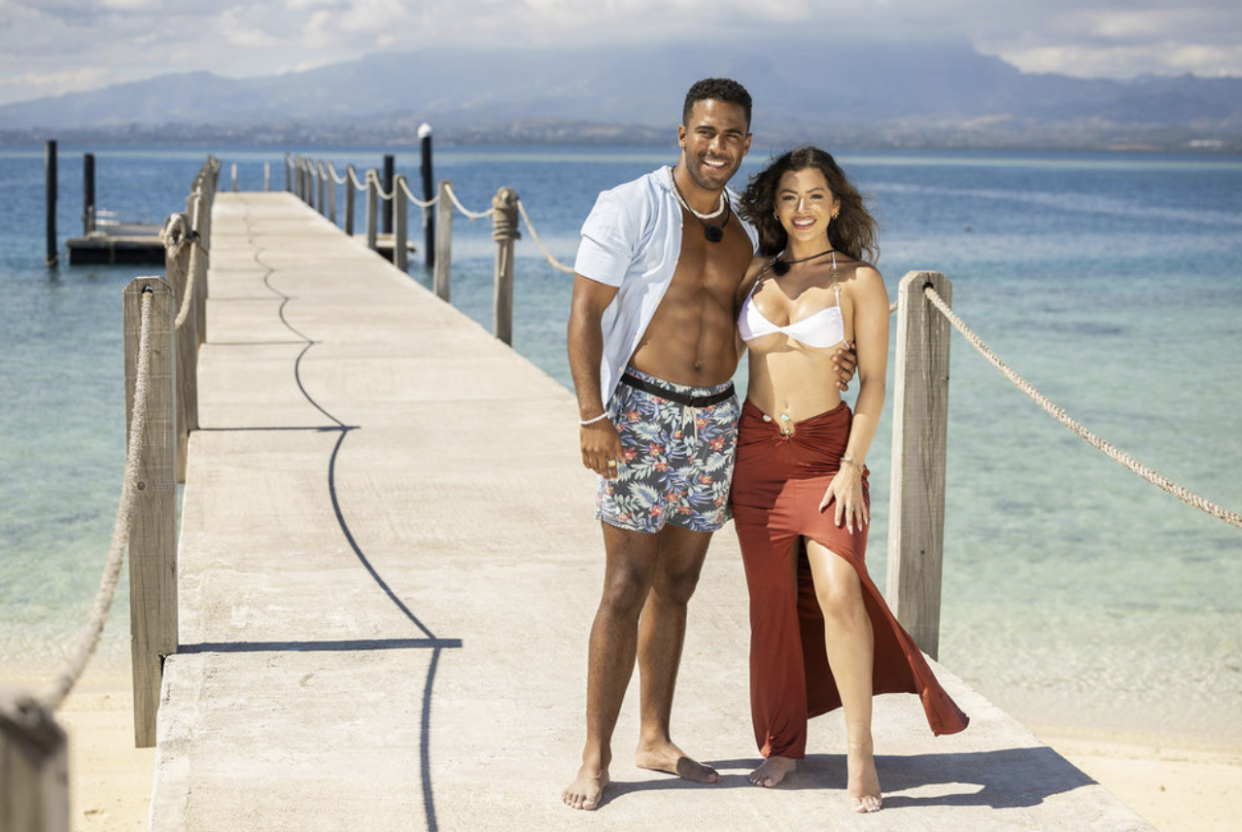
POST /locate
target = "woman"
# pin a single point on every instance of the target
(821, 634)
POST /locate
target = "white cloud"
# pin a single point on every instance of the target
(52, 46)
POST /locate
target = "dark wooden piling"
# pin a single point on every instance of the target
(390, 163)
(429, 216)
(88, 193)
(49, 165)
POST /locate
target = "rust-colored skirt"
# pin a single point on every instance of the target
(777, 486)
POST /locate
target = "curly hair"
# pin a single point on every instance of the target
(854, 232)
(716, 89)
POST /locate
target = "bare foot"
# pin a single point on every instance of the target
(669, 758)
(587, 790)
(772, 771)
(864, 781)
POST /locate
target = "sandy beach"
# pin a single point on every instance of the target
(1177, 789)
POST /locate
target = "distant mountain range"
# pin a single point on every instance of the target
(856, 94)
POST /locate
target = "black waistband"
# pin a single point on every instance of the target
(674, 396)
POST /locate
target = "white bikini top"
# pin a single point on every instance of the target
(823, 329)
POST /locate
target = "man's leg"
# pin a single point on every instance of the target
(630, 568)
(662, 632)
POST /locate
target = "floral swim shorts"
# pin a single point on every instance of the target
(677, 457)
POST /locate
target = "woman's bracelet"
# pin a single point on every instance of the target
(585, 422)
(849, 460)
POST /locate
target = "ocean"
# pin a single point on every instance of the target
(1075, 596)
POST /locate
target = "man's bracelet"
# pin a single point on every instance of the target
(585, 422)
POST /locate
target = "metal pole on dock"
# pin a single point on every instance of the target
(504, 232)
(429, 217)
(920, 428)
(389, 170)
(49, 164)
(88, 194)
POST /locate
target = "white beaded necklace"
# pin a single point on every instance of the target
(677, 192)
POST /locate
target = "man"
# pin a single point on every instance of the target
(652, 349)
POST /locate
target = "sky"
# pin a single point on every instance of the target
(49, 47)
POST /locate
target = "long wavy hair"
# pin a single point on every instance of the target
(854, 232)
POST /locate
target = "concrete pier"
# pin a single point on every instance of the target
(388, 573)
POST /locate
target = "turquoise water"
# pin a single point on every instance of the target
(1075, 595)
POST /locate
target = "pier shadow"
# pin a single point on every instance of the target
(1013, 778)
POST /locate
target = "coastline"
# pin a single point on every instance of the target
(1177, 784)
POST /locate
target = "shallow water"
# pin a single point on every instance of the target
(1074, 594)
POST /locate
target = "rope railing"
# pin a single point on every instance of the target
(379, 187)
(420, 203)
(340, 180)
(473, 215)
(552, 261)
(177, 237)
(89, 639)
(1125, 460)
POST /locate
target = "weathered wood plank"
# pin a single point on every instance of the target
(920, 423)
(153, 528)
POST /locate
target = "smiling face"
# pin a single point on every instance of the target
(805, 205)
(714, 140)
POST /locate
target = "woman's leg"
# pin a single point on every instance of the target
(777, 681)
(849, 640)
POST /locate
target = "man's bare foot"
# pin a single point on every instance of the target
(587, 791)
(772, 771)
(864, 782)
(669, 758)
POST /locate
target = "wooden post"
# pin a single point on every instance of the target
(331, 196)
(267, 176)
(920, 427)
(49, 166)
(88, 194)
(153, 528)
(197, 207)
(288, 175)
(350, 190)
(401, 210)
(444, 241)
(429, 218)
(321, 173)
(504, 232)
(372, 209)
(177, 268)
(389, 167)
(234, 177)
(34, 767)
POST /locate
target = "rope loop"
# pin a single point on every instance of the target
(405, 186)
(505, 215)
(89, 638)
(1125, 460)
(473, 215)
(557, 264)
